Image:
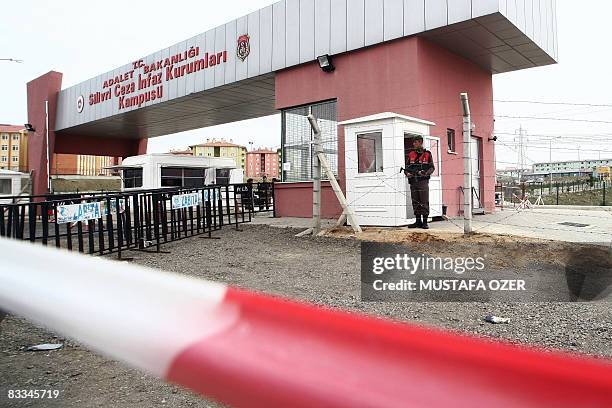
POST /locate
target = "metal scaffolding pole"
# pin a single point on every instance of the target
(316, 176)
(320, 163)
(467, 165)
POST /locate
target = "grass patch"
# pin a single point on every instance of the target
(591, 197)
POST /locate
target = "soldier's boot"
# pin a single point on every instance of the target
(424, 223)
(417, 224)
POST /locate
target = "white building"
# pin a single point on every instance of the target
(570, 168)
(153, 171)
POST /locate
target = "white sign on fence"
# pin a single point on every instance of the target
(185, 200)
(86, 211)
(78, 212)
(113, 206)
(214, 196)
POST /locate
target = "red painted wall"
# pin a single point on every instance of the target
(46, 88)
(445, 76)
(410, 76)
(296, 198)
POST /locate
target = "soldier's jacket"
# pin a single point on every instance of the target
(420, 165)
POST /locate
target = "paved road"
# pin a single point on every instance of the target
(590, 226)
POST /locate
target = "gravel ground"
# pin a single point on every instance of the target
(322, 270)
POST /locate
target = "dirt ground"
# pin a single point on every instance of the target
(503, 250)
(323, 270)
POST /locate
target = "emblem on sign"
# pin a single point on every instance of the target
(80, 104)
(244, 47)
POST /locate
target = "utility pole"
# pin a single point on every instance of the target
(467, 165)
(520, 163)
(49, 185)
(521, 152)
(550, 177)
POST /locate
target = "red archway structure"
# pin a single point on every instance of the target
(408, 57)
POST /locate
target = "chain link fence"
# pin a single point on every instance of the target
(297, 136)
(576, 192)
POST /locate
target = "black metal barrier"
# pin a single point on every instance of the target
(102, 223)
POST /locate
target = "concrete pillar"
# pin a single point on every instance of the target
(39, 90)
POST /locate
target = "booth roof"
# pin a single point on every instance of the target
(386, 115)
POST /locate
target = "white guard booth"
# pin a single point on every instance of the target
(10, 184)
(375, 152)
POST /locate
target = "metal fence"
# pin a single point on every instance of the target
(297, 137)
(103, 223)
(578, 192)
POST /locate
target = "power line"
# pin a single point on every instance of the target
(516, 151)
(553, 118)
(606, 136)
(541, 146)
(594, 105)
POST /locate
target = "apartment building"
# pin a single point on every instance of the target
(82, 164)
(221, 148)
(13, 148)
(571, 167)
(262, 162)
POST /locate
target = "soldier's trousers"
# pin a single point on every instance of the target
(419, 192)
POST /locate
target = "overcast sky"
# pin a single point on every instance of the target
(83, 39)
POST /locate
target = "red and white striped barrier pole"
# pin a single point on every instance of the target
(253, 350)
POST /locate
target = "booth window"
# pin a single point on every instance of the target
(450, 135)
(296, 141)
(369, 152)
(132, 178)
(5, 186)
